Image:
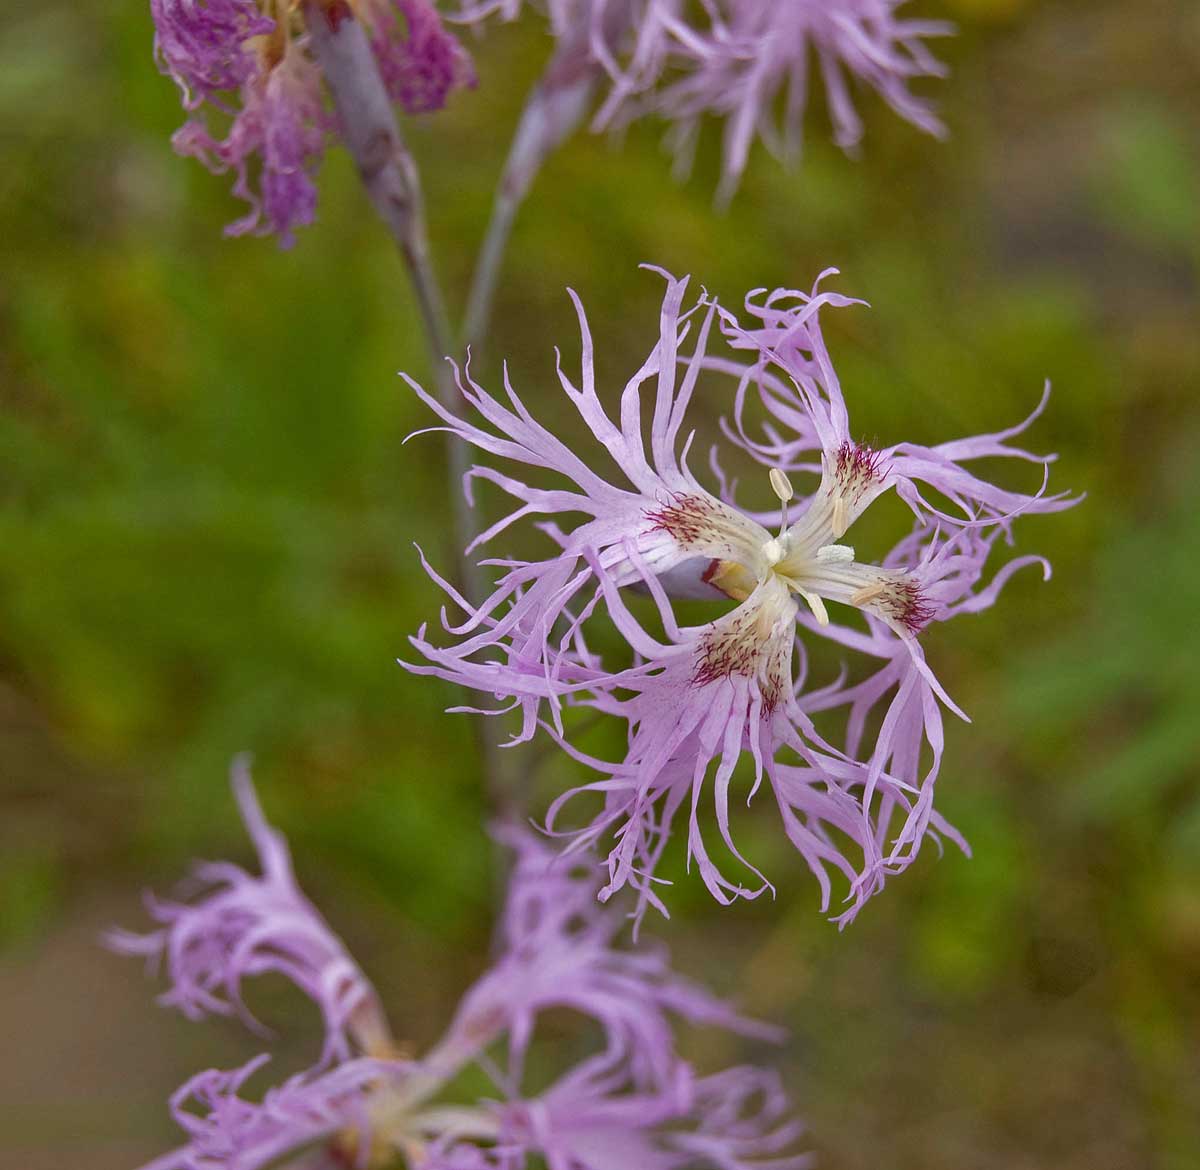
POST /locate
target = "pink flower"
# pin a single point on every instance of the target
(232, 57)
(234, 1132)
(420, 61)
(244, 926)
(560, 950)
(280, 129)
(207, 48)
(696, 699)
(745, 62)
(591, 1120)
(751, 66)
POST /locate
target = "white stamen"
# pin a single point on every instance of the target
(816, 605)
(834, 553)
(868, 593)
(781, 485)
(839, 521)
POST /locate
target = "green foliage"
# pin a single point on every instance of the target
(207, 517)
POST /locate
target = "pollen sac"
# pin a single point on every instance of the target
(781, 485)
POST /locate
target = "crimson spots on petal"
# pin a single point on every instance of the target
(914, 610)
(899, 600)
(857, 467)
(686, 519)
(746, 644)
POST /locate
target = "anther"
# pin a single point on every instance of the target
(816, 605)
(781, 485)
(868, 593)
(839, 521)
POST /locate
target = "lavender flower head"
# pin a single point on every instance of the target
(631, 1101)
(697, 699)
(249, 63)
(746, 62)
(751, 66)
(330, 1108)
(244, 926)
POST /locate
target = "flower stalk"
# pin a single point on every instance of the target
(389, 176)
(554, 110)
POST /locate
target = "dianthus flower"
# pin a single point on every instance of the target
(744, 61)
(250, 61)
(696, 699)
(751, 67)
(558, 949)
(246, 926)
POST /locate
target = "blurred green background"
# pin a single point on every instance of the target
(206, 527)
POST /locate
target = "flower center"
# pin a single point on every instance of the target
(777, 552)
(807, 558)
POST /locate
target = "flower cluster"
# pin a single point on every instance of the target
(631, 1102)
(249, 64)
(747, 62)
(696, 700)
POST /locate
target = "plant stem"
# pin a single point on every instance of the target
(390, 178)
(553, 111)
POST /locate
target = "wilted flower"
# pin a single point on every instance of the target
(281, 129)
(251, 60)
(697, 698)
(559, 948)
(419, 60)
